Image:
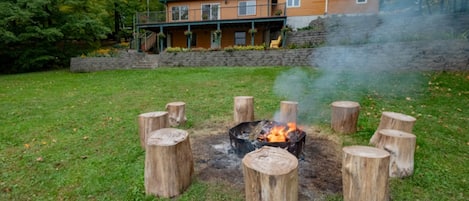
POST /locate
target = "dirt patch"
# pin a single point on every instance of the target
(319, 170)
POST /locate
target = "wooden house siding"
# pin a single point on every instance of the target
(307, 7)
(228, 10)
(351, 7)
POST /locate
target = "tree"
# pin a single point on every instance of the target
(33, 31)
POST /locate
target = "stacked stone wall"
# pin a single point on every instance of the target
(426, 55)
(124, 60)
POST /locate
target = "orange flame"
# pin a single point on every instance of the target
(279, 133)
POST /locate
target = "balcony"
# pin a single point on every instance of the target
(212, 12)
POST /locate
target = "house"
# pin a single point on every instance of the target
(222, 23)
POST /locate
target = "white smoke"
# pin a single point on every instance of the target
(353, 65)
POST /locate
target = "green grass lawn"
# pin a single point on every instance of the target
(66, 136)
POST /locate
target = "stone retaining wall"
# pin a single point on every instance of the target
(427, 55)
(280, 57)
(125, 60)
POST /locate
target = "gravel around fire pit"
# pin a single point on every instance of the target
(319, 171)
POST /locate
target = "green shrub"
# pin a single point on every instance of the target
(173, 49)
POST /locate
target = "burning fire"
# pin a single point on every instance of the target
(280, 133)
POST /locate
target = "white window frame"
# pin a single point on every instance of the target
(361, 1)
(291, 3)
(251, 8)
(240, 36)
(179, 13)
(210, 16)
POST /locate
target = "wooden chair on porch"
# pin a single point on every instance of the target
(276, 43)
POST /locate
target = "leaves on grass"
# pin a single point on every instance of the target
(39, 159)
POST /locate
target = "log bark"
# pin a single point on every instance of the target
(365, 174)
(393, 120)
(270, 173)
(177, 113)
(169, 165)
(288, 111)
(401, 147)
(243, 109)
(344, 116)
(151, 121)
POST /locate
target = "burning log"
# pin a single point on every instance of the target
(365, 173)
(393, 120)
(401, 147)
(288, 111)
(169, 164)
(151, 121)
(177, 113)
(248, 136)
(344, 116)
(243, 109)
(270, 173)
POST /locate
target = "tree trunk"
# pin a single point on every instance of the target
(243, 109)
(365, 174)
(393, 120)
(270, 173)
(168, 163)
(151, 121)
(288, 111)
(177, 113)
(401, 147)
(344, 116)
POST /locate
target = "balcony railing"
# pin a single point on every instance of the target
(211, 12)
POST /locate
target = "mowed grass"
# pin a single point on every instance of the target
(74, 136)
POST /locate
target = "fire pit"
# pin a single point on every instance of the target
(248, 136)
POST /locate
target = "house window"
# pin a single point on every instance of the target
(210, 11)
(294, 3)
(361, 1)
(246, 8)
(180, 13)
(240, 38)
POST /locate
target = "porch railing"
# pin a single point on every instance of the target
(212, 13)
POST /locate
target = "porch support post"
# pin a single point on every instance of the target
(284, 34)
(219, 36)
(189, 37)
(138, 40)
(252, 34)
(161, 40)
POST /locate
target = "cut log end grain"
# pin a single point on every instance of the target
(152, 114)
(396, 133)
(167, 137)
(271, 161)
(400, 116)
(345, 104)
(365, 151)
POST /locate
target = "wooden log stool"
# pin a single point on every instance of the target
(288, 111)
(394, 120)
(401, 147)
(344, 116)
(365, 173)
(243, 109)
(270, 173)
(151, 121)
(177, 113)
(169, 164)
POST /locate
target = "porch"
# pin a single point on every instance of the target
(193, 29)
